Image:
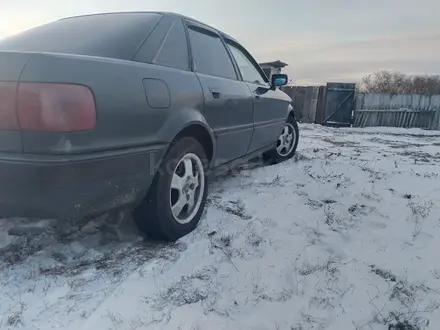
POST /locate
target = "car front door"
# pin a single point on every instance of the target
(270, 105)
(228, 102)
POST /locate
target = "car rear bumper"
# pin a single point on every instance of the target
(69, 187)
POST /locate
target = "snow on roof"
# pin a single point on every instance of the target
(275, 64)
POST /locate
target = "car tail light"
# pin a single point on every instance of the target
(8, 115)
(55, 107)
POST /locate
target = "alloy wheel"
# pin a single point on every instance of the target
(286, 140)
(187, 186)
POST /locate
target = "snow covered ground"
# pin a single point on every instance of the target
(344, 236)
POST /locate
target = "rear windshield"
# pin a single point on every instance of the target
(106, 35)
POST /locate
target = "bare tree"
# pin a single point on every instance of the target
(397, 82)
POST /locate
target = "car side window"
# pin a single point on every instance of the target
(210, 55)
(174, 49)
(247, 68)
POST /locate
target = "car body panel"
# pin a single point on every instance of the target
(11, 67)
(230, 116)
(76, 186)
(181, 120)
(269, 116)
(124, 118)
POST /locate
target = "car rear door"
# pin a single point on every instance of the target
(270, 105)
(229, 106)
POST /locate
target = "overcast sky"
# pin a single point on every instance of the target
(321, 40)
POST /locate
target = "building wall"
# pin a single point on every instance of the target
(269, 71)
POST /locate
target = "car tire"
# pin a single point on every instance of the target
(177, 197)
(284, 149)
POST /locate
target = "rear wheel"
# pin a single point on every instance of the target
(286, 144)
(177, 197)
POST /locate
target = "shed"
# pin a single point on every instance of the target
(270, 68)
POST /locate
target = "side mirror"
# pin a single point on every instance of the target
(278, 80)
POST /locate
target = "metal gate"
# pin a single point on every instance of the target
(339, 104)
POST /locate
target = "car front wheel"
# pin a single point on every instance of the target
(177, 197)
(286, 144)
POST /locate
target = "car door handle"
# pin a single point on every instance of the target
(215, 92)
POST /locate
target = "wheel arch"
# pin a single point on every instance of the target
(189, 123)
(290, 112)
(201, 134)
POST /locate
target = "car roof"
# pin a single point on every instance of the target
(165, 13)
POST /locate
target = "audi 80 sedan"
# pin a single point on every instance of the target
(131, 110)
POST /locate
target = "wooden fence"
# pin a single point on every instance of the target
(397, 110)
(370, 109)
(308, 102)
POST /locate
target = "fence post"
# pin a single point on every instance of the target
(435, 103)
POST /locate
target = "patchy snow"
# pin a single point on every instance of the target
(343, 236)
